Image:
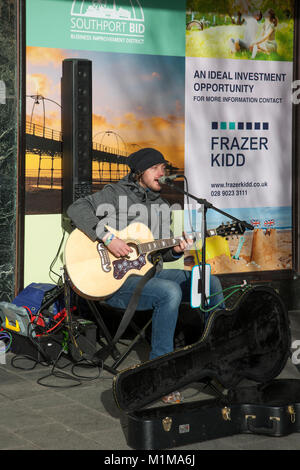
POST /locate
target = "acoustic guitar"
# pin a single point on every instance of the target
(96, 273)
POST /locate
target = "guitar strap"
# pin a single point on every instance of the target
(131, 307)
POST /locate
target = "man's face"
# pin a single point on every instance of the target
(149, 178)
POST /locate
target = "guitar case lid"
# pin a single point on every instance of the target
(251, 340)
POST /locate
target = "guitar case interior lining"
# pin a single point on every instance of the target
(250, 341)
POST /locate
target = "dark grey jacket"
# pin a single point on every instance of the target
(117, 205)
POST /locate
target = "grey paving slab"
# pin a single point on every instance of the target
(290, 442)
(6, 377)
(41, 401)
(56, 436)
(81, 418)
(10, 440)
(113, 440)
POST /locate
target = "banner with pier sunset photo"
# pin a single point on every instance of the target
(137, 88)
(177, 77)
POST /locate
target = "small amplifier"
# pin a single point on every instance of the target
(44, 348)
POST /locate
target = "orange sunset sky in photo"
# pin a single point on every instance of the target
(138, 100)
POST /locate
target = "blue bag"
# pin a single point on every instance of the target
(33, 295)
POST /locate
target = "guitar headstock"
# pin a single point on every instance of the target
(228, 229)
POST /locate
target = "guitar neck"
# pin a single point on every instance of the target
(156, 245)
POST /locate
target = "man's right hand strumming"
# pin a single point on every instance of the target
(117, 246)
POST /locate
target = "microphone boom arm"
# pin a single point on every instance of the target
(208, 205)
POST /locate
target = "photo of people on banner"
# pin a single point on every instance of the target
(240, 29)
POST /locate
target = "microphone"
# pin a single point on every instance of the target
(168, 179)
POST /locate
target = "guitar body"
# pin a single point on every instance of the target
(94, 272)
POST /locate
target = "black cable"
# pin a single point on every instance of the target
(58, 374)
(55, 259)
(89, 364)
(30, 358)
(78, 379)
(73, 376)
(56, 370)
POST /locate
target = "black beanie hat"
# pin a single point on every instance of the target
(143, 159)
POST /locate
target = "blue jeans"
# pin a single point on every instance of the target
(163, 293)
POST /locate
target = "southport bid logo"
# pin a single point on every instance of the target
(114, 21)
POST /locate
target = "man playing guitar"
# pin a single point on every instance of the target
(168, 287)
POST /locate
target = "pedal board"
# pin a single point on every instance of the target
(85, 335)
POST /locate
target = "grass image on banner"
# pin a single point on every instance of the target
(214, 42)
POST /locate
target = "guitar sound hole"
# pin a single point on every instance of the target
(134, 254)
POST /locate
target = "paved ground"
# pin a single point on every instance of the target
(82, 415)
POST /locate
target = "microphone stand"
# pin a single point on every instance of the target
(206, 205)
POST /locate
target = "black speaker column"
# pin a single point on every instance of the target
(76, 102)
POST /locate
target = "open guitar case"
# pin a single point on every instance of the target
(249, 341)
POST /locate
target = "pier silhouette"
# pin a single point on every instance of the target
(47, 144)
(44, 181)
